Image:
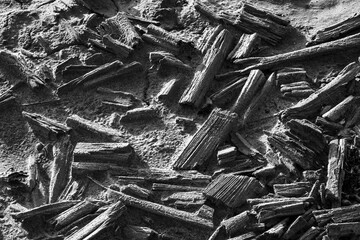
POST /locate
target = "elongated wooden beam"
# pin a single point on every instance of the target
(161, 210)
(323, 96)
(61, 168)
(205, 72)
(252, 85)
(286, 59)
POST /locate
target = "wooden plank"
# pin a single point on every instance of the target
(205, 141)
(205, 72)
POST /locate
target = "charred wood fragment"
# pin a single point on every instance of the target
(286, 59)
(290, 75)
(275, 232)
(337, 215)
(288, 210)
(205, 72)
(335, 171)
(297, 189)
(208, 37)
(228, 93)
(336, 31)
(137, 115)
(206, 140)
(73, 71)
(172, 187)
(184, 200)
(226, 155)
(86, 129)
(245, 47)
(311, 233)
(118, 98)
(170, 90)
(238, 223)
(114, 153)
(166, 62)
(61, 168)
(232, 190)
(46, 128)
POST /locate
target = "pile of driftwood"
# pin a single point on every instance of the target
(311, 192)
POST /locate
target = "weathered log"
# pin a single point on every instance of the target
(115, 153)
(246, 45)
(120, 28)
(205, 72)
(172, 187)
(341, 110)
(259, 99)
(87, 129)
(47, 209)
(286, 59)
(232, 190)
(157, 175)
(61, 168)
(74, 213)
(93, 229)
(161, 210)
(252, 85)
(297, 189)
(136, 191)
(145, 114)
(341, 230)
(275, 232)
(335, 171)
(336, 31)
(46, 128)
(228, 93)
(337, 215)
(208, 37)
(226, 155)
(139, 233)
(206, 140)
(169, 90)
(118, 98)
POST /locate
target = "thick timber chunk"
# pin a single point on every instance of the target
(206, 140)
(338, 215)
(205, 72)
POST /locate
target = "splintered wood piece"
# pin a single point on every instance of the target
(74, 213)
(205, 72)
(226, 155)
(285, 59)
(170, 90)
(165, 176)
(171, 187)
(61, 168)
(120, 28)
(183, 199)
(297, 189)
(112, 45)
(46, 128)
(75, 189)
(206, 140)
(208, 37)
(136, 191)
(161, 210)
(255, 201)
(288, 76)
(93, 229)
(246, 45)
(314, 102)
(275, 232)
(228, 93)
(7, 99)
(338, 230)
(87, 129)
(339, 111)
(139, 114)
(276, 204)
(166, 61)
(282, 211)
(232, 190)
(116, 153)
(51, 208)
(311, 233)
(118, 98)
(103, 71)
(138, 232)
(106, 8)
(237, 224)
(252, 85)
(335, 171)
(337, 215)
(260, 98)
(244, 146)
(336, 31)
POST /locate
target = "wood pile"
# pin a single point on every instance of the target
(220, 181)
